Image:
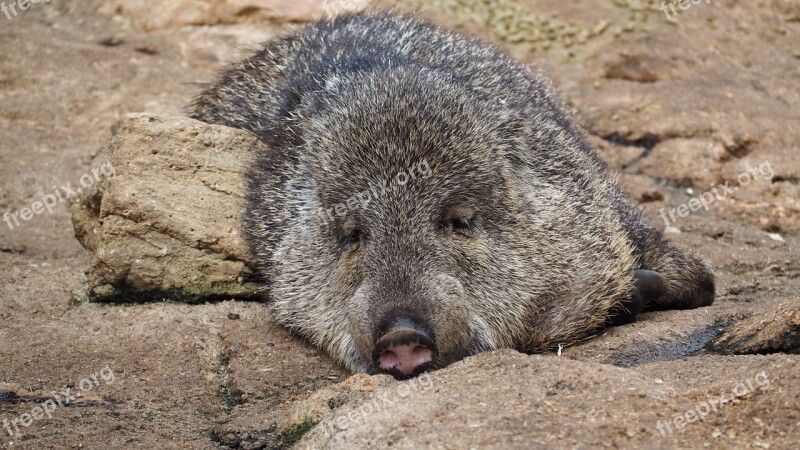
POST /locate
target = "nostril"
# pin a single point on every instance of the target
(404, 358)
(388, 359)
(404, 349)
(421, 355)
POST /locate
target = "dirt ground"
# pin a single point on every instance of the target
(680, 106)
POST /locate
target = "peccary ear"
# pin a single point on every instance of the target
(648, 286)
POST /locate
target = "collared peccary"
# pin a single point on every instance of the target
(426, 198)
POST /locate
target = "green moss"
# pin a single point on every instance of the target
(294, 432)
(230, 396)
(223, 360)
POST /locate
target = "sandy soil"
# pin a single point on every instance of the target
(678, 107)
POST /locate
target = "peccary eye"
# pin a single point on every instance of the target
(461, 220)
(351, 238)
(462, 225)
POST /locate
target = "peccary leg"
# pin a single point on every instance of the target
(625, 311)
(648, 288)
(690, 282)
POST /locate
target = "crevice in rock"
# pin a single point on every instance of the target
(126, 295)
(776, 330)
(13, 249)
(648, 141)
(255, 439)
(740, 147)
(11, 397)
(669, 351)
(227, 392)
(791, 180)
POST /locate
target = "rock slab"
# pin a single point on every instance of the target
(166, 224)
(775, 329)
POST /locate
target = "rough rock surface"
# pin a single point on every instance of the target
(149, 16)
(166, 224)
(224, 375)
(498, 400)
(775, 329)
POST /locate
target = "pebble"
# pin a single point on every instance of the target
(776, 237)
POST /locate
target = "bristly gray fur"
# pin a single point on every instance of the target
(519, 237)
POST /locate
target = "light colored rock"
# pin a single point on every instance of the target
(491, 400)
(644, 68)
(149, 15)
(507, 400)
(616, 156)
(167, 223)
(771, 330)
(680, 160)
(658, 336)
(641, 189)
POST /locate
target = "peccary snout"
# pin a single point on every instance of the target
(404, 349)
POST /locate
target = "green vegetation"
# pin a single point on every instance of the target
(296, 431)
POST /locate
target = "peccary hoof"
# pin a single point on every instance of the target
(648, 286)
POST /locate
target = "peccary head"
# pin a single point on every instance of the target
(409, 230)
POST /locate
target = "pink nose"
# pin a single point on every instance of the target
(405, 358)
(405, 349)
